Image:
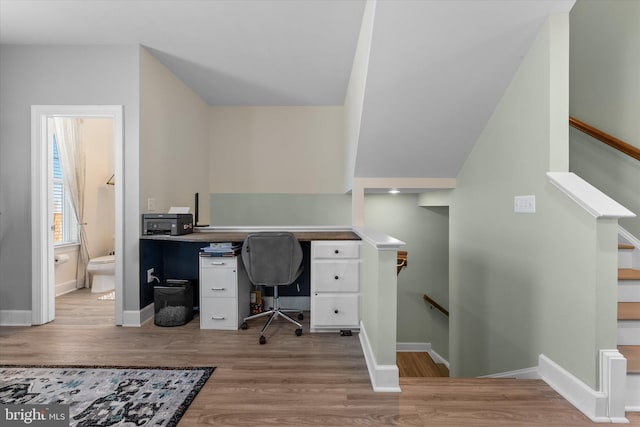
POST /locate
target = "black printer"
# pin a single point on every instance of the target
(174, 224)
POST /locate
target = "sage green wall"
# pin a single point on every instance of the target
(522, 285)
(605, 93)
(280, 209)
(426, 234)
(378, 301)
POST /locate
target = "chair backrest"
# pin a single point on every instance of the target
(272, 258)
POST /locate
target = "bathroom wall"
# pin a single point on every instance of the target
(65, 265)
(99, 202)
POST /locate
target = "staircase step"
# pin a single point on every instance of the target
(629, 291)
(629, 311)
(628, 274)
(628, 332)
(625, 246)
(632, 354)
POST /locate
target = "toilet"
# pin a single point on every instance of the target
(101, 273)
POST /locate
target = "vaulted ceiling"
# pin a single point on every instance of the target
(437, 68)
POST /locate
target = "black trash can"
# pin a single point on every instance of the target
(173, 303)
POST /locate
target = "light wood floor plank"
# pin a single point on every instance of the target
(316, 379)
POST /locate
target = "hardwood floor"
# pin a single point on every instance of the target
(315, 379)
(419, 364)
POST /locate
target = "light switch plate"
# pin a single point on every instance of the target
(524, 204)
(151, 204)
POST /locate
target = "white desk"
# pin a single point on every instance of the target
(334, 279)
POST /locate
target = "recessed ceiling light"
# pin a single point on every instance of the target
(394, 191)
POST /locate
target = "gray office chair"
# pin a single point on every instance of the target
(272, 259)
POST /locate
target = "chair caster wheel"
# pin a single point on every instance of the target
(298, 331)
(263, 340)
(244, 325)
(300, 316)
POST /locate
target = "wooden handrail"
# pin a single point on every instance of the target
(435, 304)
(402, 260)
(612, 141)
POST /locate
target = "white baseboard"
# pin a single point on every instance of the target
(594, 404)
(66, 287)
(294, 303)
(520, 374)
(135, 318)
(416, 347)
(15, 317)
(438, 359)
(384, 378)
(422, 347)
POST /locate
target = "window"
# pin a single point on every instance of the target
(65, 225)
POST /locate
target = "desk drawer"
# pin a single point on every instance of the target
(332, 310)
(336, 276)
(218, 313)
(218, 282)
(335, 249)
(218, 262)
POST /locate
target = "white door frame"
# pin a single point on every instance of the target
(42, 279)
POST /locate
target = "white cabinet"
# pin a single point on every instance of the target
(335, 285)
(224, 292)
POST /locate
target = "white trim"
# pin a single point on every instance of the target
(520, 374)
(42, 296)
(377, 239)
(384, 378)
(591, 403)
(586, 195)
(416, 347)
(15, 317)
(613, 374)
(66, 287)
(438, 359)
(630, 238)
(136, 318)
(42, 282)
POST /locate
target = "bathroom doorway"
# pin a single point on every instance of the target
(87, 263)
(45, 229)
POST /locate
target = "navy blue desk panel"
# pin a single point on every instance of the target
(176, 259)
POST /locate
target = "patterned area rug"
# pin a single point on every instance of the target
(108, 396)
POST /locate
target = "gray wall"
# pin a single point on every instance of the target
(605, 93)
(426, 234)
(280, 209)
(522, 285)
(58, 75)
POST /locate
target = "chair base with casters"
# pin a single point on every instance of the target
(274, 313)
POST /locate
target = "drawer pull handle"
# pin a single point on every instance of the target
(218, 263)
(218, 289)
(336, 277)
(335, 311)
(218, 318)
(337, 251)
